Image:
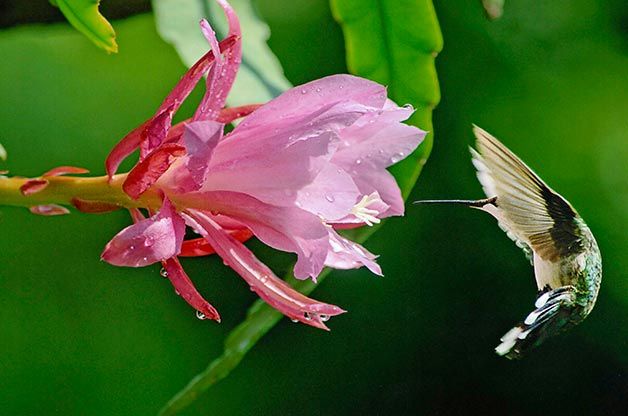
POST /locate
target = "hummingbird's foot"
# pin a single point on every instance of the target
(550, 317)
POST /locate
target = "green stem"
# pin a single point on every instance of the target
(63, 189)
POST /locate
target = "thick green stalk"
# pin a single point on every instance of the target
(393, 42)
(63, 189)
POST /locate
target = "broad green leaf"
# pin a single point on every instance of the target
(260, 77)
(85, 17)
(406, 34)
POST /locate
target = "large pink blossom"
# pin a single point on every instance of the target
(292, 171)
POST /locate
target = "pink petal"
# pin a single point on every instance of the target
(309, 98)
(65, 170)
(215, 93)
(201, 137)
(284, 228)
(93, 207)
(373, 143)
(272, 175)
(156, 131)
(49, 210)
(185, 288)
(149, 170)
(148, 241)
(33, 186)
(346, 254)
(124, 148)
(261, 279)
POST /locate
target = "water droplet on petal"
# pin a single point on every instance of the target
(200, 315)
(330, 198)
(358, 161)
(307, 316)
(303, 91)
(163, 272)
(294, 320)
(318, 90)
(176, 292)
(408, 107)
(324, 318)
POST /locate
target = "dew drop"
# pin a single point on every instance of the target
(176, 292)
(307, 316)
(294, 320)
(330, 198)
(164, 273)
(318, 90)
(303, 91)
(324, 318)
(358, 161)
(200, 315)
(408, 107)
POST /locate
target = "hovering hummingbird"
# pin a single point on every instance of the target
(566, 258)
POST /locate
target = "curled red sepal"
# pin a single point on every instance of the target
(65, 170)
(93, 207)
(49, 210)
(227, 115)
(199, 247)
(33, 186)
(185, 288)
(149, 170)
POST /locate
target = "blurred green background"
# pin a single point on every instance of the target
(78, 336)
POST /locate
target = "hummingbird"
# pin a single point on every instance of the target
(566, 258)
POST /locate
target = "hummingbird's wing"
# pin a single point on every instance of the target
(528, 209)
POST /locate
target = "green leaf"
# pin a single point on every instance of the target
(260, 77)
(407, 34)
(85, 17)
(3, 152)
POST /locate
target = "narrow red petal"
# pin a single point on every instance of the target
(185, 288)
(93, 207)
(149, 170)
(273, 290)
(227, 115)
(65, 170)
(33, 186)
(124, 148)
(199, 247)
(49, 210)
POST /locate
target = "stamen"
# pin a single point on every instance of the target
(362, 212)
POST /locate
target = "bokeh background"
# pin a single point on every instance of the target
(78, 336)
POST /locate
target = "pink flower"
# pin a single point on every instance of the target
(311, 160)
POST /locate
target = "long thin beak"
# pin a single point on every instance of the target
(478, 203)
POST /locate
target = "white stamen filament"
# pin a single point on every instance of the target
(363, 213)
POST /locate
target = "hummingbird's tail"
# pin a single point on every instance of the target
(478, 203)
(551, 316)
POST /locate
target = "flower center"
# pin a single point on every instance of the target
(362, 211)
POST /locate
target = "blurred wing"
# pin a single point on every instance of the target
(534, 214)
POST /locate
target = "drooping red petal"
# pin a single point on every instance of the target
(185, 288)
(260, 278)
(93, 207)
(65, 170)
(49, 210)
(33, 186)
(227, 115)
(146, 172)
(132, 140)
(199, 247)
